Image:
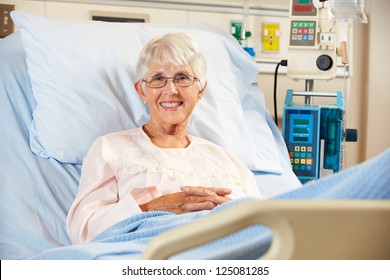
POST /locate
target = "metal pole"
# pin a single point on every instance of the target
(309, 88)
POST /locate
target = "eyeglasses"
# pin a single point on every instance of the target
(180, 80)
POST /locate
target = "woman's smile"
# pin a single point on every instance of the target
(171, 105)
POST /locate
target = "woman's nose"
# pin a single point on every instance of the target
(170, 86)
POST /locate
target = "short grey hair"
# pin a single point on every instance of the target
(178, 49)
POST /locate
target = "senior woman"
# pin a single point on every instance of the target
(158, 167)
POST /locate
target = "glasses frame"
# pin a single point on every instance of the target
(173, 80)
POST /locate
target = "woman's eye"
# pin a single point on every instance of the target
(181, 77)
(158, 78)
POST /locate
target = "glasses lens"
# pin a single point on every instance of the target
(180, 80)
(156, 81)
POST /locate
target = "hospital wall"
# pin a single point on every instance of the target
(365, 87)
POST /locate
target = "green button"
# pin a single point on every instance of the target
(303, 155)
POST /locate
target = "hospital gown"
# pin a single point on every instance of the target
(125, 169)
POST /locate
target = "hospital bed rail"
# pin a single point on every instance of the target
(316, 229)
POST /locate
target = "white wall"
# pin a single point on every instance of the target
(366, 89)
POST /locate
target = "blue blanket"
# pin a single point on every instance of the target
(128, 239)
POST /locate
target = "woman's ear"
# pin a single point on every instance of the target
(201, 91)
(140, 90)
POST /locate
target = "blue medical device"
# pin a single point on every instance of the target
(314, 134)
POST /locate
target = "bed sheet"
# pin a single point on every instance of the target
(35, 192)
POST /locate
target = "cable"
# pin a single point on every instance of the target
(281, 63)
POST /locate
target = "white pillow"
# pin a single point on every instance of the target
(82, 76)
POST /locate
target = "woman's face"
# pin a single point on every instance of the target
(170, 104)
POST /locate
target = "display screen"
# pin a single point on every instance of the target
(301, 121)
(301, 130)
(301, 139)
(303, 8)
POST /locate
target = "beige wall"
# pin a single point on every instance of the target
(366, 89)
(377, 85)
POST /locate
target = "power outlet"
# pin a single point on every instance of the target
(270, 38)
(6, 23)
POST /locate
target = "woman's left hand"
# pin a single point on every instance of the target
(203, 197)
(190, 199)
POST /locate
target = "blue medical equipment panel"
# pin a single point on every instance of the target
(314, 136)
(301, 132)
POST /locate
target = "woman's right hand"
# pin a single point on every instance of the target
(191, 199)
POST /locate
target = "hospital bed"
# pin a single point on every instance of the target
(61, 90)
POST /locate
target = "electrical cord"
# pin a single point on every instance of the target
(281, 63)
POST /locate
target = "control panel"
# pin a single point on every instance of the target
(301, 128)
(302, 33)
(312, 51)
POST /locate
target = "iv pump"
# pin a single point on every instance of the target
(314, 133)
